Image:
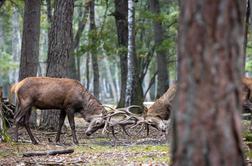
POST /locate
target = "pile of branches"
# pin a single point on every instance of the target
(7, 112)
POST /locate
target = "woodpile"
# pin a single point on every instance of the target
(6, 112)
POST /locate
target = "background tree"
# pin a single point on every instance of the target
(161, 57)
(206, 121)
(30, 44)
(120, 14)
(93, 40)
(59, 52)
(134, 94)
(30, 39)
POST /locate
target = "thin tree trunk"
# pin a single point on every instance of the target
(121, 12)
(134, 92)
(95, 66)
(110, 79)
(16, 44)
(30, 44)
(2, 37)
(59, 53)
(87, 71)
(206, 123)
(163, 74)
(246, 27)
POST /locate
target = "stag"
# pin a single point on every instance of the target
(246, 95)
(67, 95)
(159, 112)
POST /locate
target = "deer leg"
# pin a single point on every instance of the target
(27, 127)
(147, 129)
(61, 122)
(70, 116)
(113, 132)
(16, 131)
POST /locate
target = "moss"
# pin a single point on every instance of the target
(247, 136)
(248, 155)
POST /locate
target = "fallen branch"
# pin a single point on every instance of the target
(49, 152)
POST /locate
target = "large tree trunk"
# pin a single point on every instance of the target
(92, 28)
(30, 44)
(59, 53)
(206, 123)
(163, 74)
(121, 12)
(30, 39)
(134, 92)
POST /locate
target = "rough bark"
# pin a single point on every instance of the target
(30, 39)
(161, 57)
(30, 44)
(134, 92)
(206, 123)
(95, 66)
(121, 12)
(59, 53)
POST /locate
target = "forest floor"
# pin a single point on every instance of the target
(97, 149)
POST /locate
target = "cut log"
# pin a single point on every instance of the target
(49, 152)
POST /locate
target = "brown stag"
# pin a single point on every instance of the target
(246, 95)
(159, 111)
(67, 95)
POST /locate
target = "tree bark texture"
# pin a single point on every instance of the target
(60, 40)
(121, 13)
(30, 39)
(92, 28)
(206, 123)
(134, 92)
(30, 44)
(161, 57)
(59, 52)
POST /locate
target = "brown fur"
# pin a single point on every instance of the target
(55, 93)
(160, 110)
(162, 106)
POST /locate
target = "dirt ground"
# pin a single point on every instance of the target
(97, 149)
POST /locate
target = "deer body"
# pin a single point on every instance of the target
(57, 93)
(160, 110)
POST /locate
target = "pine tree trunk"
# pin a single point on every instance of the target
(163, 74)
(59, 53)
(206, 123)
(134, 92)
(87, 71)
(30, 44)
(121, 12)
(95, 66)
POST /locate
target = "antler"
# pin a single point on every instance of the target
(123, 111)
